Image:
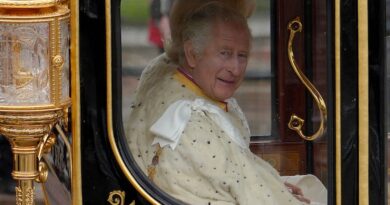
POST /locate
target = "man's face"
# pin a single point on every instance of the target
(220, 70)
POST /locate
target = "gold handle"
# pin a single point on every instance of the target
(296, 123)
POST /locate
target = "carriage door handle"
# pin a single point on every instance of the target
(296, 123)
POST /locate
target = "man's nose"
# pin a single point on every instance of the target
(235, 66)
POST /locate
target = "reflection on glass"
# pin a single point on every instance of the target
(24, 82)
(65, 53)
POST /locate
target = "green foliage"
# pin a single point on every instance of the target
(263, 6)
(135, 11)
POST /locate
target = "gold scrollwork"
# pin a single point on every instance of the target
(24, 197)
(52, 139)
(19, 196)
(296, 123)
(46, 144)
(43, 171)
(117, 197)
(58, 61)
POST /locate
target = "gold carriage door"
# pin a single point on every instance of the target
(300, 89)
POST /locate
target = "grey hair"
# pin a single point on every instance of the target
(199, 35)
(197, 28)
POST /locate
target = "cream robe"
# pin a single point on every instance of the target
(206, 166)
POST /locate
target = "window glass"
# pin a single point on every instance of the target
(140, 44)
(142, 30)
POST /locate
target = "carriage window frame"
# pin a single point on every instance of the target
(133, 173)
(118, 111)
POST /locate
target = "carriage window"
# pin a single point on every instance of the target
(143, 29)
(269, 93)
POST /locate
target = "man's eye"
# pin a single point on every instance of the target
(243, 55)
(225, 53)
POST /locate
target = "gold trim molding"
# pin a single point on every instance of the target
(28, 3)
(338, 103)
(33, 15)
(363, 92)
(110, 127)
(76, 178)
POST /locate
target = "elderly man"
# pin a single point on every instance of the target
(186, 132)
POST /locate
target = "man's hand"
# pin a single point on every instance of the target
(297, 192)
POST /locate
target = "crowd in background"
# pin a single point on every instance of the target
(158, 27)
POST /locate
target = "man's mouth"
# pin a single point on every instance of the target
(226, 81)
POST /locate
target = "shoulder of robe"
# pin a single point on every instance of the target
(156, 85)
(157, 67)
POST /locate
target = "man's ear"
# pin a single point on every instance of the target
(189, 53)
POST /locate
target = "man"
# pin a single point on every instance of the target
(186, 132)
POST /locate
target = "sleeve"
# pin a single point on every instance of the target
(208, 168)
(311, 187)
